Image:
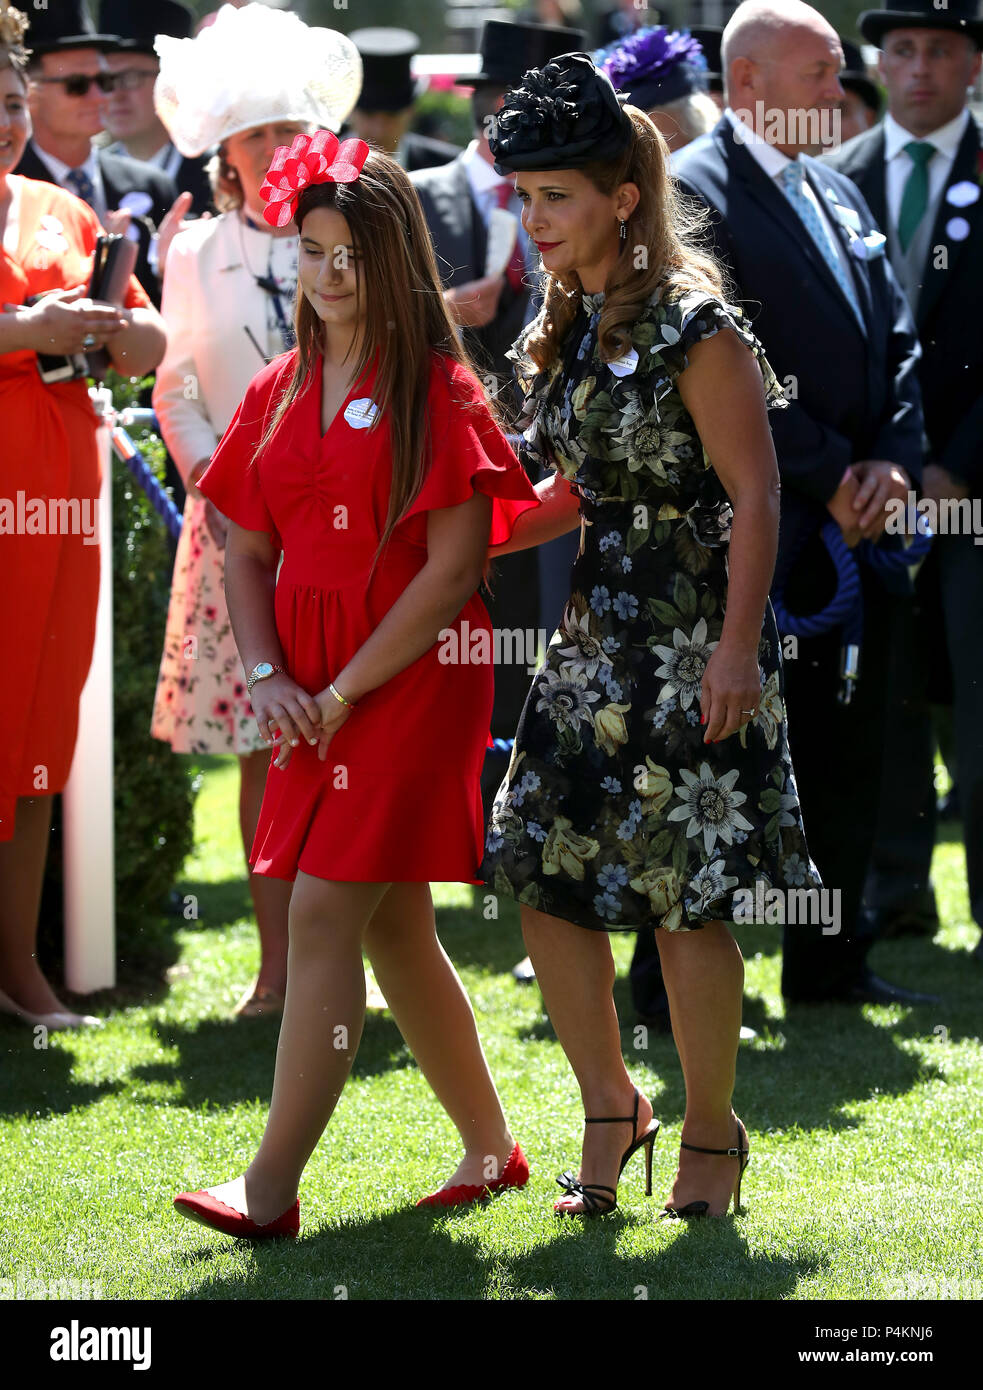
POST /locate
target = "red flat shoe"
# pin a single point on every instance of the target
(209, 1211)
(514, 1174)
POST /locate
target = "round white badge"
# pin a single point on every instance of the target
(963, 195)
(360, 414)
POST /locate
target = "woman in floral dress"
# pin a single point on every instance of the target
(650, 783)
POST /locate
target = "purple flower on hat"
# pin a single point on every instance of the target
(650, 53)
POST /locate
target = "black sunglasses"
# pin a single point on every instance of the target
(78, 83)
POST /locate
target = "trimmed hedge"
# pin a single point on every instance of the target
(154, 789)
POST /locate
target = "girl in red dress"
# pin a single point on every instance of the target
(369, 467)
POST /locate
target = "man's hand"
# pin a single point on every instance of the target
(840, 506)
(117, 221)
(171, 223)
(938, 484)
(474, 304)
(880, 482)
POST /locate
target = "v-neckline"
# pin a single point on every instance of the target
(367, 374)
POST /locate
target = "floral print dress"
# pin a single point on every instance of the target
(201, 704)
(614, 814)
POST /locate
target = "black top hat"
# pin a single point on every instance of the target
(854, 77)
(387, 83)
(561, 116)
(961, 15)
(708, 36)
(508, 49)
(65, 25)
(138, 24)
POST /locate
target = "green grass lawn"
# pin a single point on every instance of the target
(865, 1125)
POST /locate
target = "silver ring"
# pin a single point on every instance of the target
(749, 711)
(89, 341)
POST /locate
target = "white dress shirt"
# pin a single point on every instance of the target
(774, 162)
(168, 157)
(59, 169)
(898, 164)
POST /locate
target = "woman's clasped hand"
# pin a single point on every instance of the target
(67, 321)
(285, 714)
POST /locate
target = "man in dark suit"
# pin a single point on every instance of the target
(131, 119)
(386, 101)
(69, 83)
(921, 173)
(458, 200)
(839, 335)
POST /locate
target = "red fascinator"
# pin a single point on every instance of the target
(317, 158)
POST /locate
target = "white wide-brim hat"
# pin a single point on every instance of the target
(250, 67)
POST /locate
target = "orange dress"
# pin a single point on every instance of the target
(398, 797)
(49, 583)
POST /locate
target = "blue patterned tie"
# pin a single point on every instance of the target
(82, 185)
(792, 176)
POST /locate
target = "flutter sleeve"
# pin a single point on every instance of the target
(232, 478)
(471, 454)
(696, 316)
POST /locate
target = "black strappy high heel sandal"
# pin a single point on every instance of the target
(585, 1191)
(701, 1208)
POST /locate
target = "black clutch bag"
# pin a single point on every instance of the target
(115, 257)
(112, 267)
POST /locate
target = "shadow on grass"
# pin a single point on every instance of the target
(420, 1255)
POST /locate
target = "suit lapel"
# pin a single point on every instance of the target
(32, 166)
(460, 234)
(950, 217)
(829, 198)
(772, 201)
(871, 176)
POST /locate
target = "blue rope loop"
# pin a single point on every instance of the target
(145, 476)
(893, 558)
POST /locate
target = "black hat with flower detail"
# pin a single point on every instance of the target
(561, 116)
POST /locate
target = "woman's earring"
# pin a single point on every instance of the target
(624, 230)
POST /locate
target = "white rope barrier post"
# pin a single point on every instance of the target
(87, 801)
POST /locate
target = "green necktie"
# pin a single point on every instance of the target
(914, 200)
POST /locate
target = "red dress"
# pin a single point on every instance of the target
(49, 583)
(397, 797)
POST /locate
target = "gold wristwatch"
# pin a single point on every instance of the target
(261, 672)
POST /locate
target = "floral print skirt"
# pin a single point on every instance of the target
(614, 814)
(201, 704)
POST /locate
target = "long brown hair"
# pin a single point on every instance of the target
(406, 319)
(664, 224)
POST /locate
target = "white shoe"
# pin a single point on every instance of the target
(54, 1022)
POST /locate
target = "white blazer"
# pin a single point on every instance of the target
(210, 297)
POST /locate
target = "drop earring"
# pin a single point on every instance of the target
(623, 233)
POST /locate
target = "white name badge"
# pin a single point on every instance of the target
(624, 366)
(360, 414)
